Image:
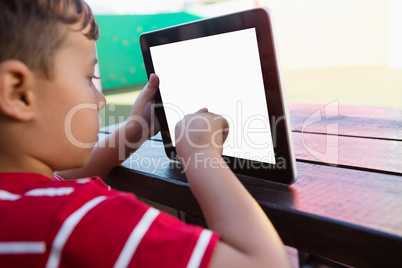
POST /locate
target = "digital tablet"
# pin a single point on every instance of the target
(227, 64)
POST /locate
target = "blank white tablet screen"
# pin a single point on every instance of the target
(222, 73)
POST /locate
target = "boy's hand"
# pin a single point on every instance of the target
(201, 132)
(143, 123)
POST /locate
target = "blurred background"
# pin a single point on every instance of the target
(348, 51)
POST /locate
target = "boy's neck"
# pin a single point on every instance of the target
(10, 165)
(15, 156)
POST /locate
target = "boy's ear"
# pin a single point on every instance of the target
(16, 90)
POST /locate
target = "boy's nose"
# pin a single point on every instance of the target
(101, 100)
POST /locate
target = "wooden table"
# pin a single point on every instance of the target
(347, 202)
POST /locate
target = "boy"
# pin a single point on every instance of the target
(49, 122)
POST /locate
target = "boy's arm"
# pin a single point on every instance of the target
(248, 237)
(118, 146)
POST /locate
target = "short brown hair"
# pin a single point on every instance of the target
(30, 30)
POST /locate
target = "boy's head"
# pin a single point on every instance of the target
(48, 103)
(33, 30)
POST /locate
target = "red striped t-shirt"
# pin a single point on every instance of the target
(83, 223)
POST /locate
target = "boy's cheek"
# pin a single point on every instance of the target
(83, 126)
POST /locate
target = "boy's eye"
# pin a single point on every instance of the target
(91, 79)
(94, 77)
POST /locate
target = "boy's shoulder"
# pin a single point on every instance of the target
(22, 185)
(79, 218)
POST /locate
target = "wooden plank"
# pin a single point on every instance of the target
(376, 155)
(371, 112)
(351, 216)
(365, 154)
(370, 122)
(360, 121)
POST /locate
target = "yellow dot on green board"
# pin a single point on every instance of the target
(142, 66)
(124, 81)
(115, 38)
(112, 107)
(132, 70)
(139, 29)
(154, 27)
(125, 42)
(112, 77)
(135, 39)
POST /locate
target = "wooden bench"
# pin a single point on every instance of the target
(346, 205)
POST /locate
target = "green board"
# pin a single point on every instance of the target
(119, 51)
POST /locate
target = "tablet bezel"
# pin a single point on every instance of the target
(284, 171)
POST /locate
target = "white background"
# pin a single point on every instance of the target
(222, 73)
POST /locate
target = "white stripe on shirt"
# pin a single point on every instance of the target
(57, 177)
(199, 249)
(50, 191)
(4, 195)
(135, 238)
(83, 181)
(22, 247)
(66, 229)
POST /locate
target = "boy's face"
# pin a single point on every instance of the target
(68, 105)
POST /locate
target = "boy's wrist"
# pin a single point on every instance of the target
(133, 132)
(202, 159)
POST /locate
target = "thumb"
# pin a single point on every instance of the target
(153, 81)
(149, 91)
(203, 110)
